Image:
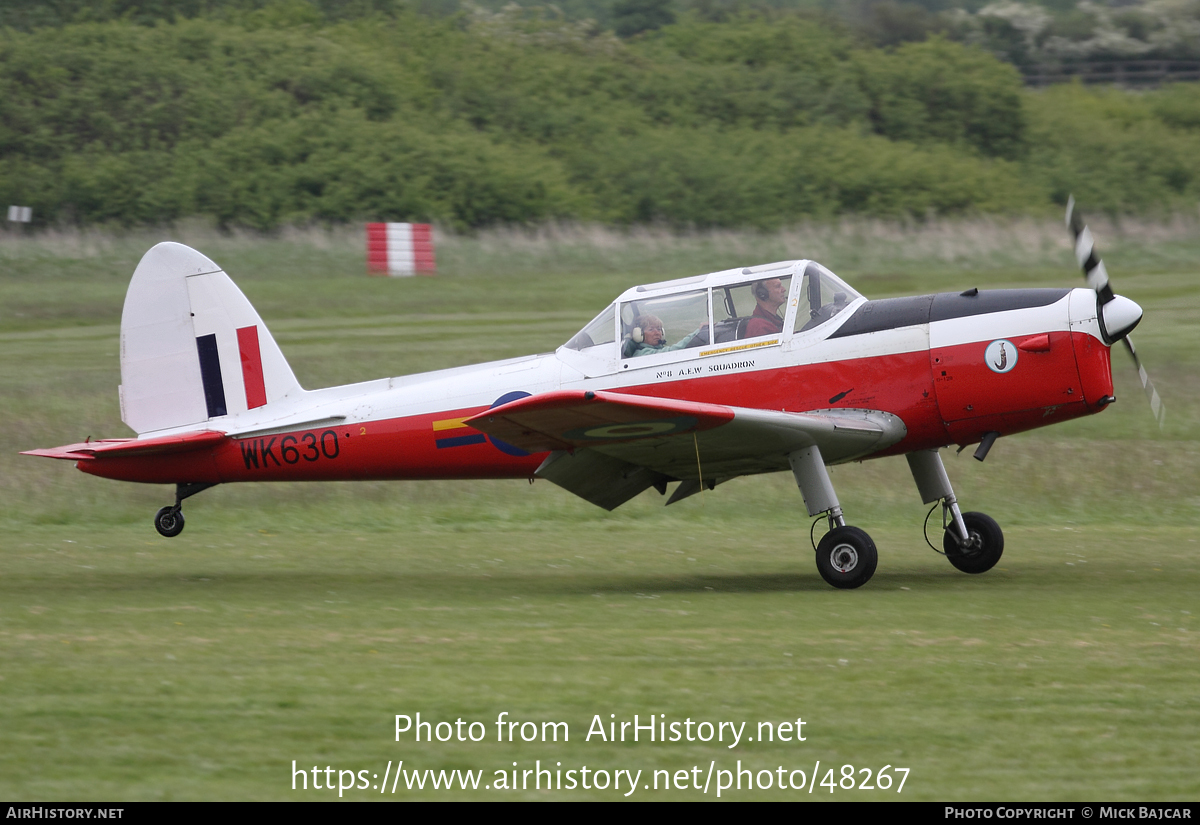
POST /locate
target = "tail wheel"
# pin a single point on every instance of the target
(846, 557)
(169, 521)
(985, 548)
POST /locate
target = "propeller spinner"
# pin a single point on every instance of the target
(1118, 315)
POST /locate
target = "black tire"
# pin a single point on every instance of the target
(987, 544)
(846, 557)
(169, 521)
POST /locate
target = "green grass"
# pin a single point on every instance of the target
(294, 621)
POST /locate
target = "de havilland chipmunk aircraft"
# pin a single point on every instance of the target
(696, 381)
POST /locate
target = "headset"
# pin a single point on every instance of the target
(761, 292)
(638, 335)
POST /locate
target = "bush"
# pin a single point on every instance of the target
(761, 120)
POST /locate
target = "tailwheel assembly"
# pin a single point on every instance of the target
(168, 521)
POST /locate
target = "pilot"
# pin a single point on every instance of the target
(770, 295)
(653, 338)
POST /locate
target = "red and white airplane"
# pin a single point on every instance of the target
(696, 381)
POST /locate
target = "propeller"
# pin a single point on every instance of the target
(1118, 315)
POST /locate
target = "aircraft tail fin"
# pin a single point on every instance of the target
(193, 349)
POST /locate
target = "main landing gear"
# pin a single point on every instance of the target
(982, 550)
(169, 520)
(846, 556)
(972, 542)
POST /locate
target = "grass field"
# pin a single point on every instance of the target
(293, 622)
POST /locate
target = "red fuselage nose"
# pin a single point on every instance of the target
(1020, 368)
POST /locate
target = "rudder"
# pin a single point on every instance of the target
(193, 349)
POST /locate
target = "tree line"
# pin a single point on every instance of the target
(281, 114)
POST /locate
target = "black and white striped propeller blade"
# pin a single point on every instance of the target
(1097, 279)
(1156, 404)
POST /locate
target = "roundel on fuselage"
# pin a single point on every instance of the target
(504, 446)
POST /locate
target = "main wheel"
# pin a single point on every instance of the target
(169, 521)
(846, 557)
(987, 544)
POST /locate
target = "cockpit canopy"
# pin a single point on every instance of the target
(755, 303)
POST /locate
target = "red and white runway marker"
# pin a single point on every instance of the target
(400, 249)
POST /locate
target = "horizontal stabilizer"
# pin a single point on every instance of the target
(122, 447)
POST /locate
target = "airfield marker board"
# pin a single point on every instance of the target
(400, 249)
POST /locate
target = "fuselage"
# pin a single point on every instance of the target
(953, 367)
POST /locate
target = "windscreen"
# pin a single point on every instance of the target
(601, 330)
(822, 296)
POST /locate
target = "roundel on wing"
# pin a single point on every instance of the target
(632, 429)
(504, 446)
(1001, 356)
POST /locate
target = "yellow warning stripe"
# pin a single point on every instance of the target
(724, 350)
(449, 424)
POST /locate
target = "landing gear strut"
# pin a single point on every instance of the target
(169, 520)
(972, 542)
(846, 556)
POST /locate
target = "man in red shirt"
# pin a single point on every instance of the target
(770, 295)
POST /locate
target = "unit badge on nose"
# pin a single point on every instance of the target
(1001, 356)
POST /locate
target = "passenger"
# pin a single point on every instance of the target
(771, 295)
(654, 339)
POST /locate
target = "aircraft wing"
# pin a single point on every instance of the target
(570, 419)
(607, 447)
